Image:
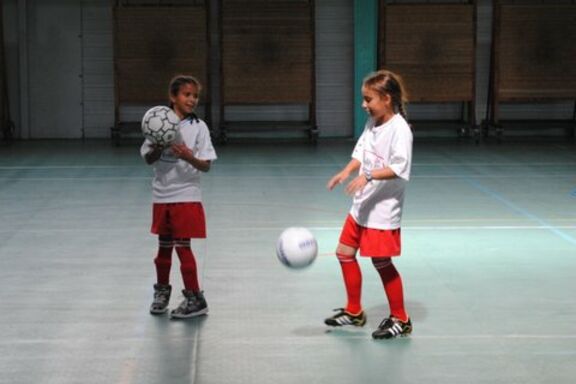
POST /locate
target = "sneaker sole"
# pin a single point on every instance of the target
(332, 323)
(195, 314)
(158, 311)
(386, 337)
(345, 325)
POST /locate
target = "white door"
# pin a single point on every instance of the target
(54, 59)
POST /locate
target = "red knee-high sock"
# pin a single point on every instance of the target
(353, 282)
(393, 286)
(187, 265)
(163, 260)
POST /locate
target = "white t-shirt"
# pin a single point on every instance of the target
(176, 180)
(379, 204)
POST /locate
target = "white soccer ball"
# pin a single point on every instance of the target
(160, 125)
(296, 247)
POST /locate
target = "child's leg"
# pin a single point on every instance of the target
(163, 263)
(352, 277)
(353, 313)
(194, 303)
(187, 265)
(392, 285)
(163, 259)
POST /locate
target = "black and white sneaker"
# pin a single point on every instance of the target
(161, 299)
(194, 304)
(344, 318)
(392, 327)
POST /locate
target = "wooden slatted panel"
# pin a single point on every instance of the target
(267, 53)
(432, 47)
(536, 52)
(152, 44)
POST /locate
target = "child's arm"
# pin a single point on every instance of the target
(181, 151)
(340, 177)
(383, 174)
(154, 154)
(377, 174)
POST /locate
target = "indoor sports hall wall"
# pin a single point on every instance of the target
(82, 91)
(61, 77)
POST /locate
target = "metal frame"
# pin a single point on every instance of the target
(5, 119)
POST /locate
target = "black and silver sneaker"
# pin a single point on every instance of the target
(392, 327)
(194, 304)
(161, 299)
(344, 318)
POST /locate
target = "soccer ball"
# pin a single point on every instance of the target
(160, 125)
(296, 247)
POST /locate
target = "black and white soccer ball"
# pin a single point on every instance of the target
(160, 125)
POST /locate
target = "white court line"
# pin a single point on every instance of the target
(511, 336)
(340, 165)
(76, 178)
(284, 165)
(409, 228)
(341, 333)
(486, 337)
(477, 337)
(224, 178)
(281, 228)
(476, 221)
(44, 167)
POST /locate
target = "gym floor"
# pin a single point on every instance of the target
(488, 263)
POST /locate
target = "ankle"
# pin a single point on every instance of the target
(403, 317)
(354, 311)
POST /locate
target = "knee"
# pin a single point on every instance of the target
(165, 242)
(182, 243)
(345, 258)
(345, 253)
(381, 262)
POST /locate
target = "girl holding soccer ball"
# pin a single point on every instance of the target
(380, 164)
(178, 214)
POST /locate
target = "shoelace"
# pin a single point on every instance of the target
(386, 322)
(159, 297)
(189, 302)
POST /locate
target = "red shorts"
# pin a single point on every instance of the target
(179, 220)
(371, 242)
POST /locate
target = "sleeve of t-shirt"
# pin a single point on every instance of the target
(401, 154)
(358, 152)
(205, 149)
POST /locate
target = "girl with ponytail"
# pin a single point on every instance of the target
(380, 166)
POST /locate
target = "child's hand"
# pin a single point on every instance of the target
(339, 178)
(156, 147)
(154, 154)
(356, 185)
(181, 151)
